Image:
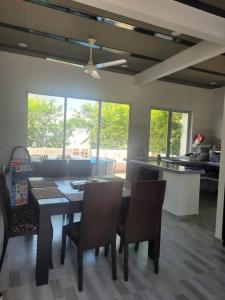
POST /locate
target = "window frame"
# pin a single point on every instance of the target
(169, 124)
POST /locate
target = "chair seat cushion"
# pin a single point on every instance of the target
(23, 219)
(73, 230)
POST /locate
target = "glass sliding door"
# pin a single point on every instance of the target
(113, 138)
(45, 128)
(81, 129)
(179, 133)
(169, 132)
(159, 120)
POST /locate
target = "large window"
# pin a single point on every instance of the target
(169, 132)
(75, 128)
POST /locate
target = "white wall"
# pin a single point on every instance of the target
(21, 74)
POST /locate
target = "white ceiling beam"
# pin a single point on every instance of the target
(168, 14)
(191, 56)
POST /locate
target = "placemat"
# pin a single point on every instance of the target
(42, 183)
(45, 193)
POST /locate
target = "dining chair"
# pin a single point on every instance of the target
(18, 221)
(143, 220)
(79, 168)
(98, 223)
(148, 174)
(54, 168)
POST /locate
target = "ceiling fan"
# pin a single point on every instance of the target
(92, 69)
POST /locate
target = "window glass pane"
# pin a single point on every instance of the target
(179, 133)
(158, 132)
(113, 138)
(81, 129)
(45, 126)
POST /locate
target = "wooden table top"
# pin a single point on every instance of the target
(42, 188)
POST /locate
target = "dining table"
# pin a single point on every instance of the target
(58, 196)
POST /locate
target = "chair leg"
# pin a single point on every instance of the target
(63, 247)
(113, 253)
(121, 245)
(70, 218)
(96, 251)
(80, 269)
(151, 249)
(4, 246)
(106, 250)
(125, 261)
(136, 246)
(50, 254)
(156, 256)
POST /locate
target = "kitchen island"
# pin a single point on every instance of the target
(183, 185)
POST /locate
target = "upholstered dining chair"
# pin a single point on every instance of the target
(143, 220)
(79, 168)
(18, 221)
(98, 223)
(54, 168)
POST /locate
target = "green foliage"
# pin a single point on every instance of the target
(114, 130)
(159, 129)
(176, 133)
(45, 123)
(114, 124)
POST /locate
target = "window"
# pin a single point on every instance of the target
(45, 126)
(74, 128)
(169, 132)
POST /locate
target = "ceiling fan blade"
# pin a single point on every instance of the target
(95, 75)
(64, 62)
(111, 63)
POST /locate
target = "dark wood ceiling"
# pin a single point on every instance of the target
(60, 28)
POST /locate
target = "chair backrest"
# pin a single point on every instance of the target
(148, 174)
(4, 197)
(54, 168)
(144, 211)
(79, 168)
(99, 218)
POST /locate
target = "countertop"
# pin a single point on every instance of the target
(184, 162)
(168, 166)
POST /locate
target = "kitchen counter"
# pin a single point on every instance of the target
(196, 163)
(168, 166)
(182, 185)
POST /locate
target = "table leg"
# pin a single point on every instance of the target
(43, 248)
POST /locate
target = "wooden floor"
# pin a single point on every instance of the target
(192, 266)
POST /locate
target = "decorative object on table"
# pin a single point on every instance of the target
(79, 184)
(20, 169)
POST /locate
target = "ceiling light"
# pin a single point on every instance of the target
(175, 33)
(163, 36)
(116, 23)
(23, 45)
(64, 62)
(115, 51)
